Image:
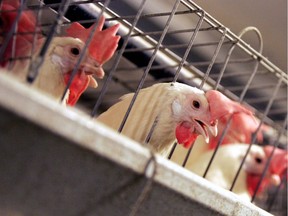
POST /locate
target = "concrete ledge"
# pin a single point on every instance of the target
(58, 161)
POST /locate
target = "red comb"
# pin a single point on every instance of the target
(220, 105)
(103, 43)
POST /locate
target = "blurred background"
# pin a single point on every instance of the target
(270, 17)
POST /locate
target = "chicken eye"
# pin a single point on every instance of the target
(75, 51)
(196, 104)
(258, 160)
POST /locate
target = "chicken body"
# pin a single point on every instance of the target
(170, 104)
(181, 111)
(227, 162)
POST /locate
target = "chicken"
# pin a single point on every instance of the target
(173, 104)
(240, 129)
(59, 62)
(179, 111)
(61, 56)
(227, 161)
(56, 69)
(276, 171)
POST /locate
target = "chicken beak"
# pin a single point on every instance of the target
(213, 128)
(91, 66)
(92, 82)
(90, 69)
(203, 129)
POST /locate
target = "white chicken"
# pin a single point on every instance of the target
(178, 111)
(60, 57)
(58, 64)
(227, 162)
(173, 104)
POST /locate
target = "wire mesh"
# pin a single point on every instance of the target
(163, 41)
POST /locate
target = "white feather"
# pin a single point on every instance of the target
(50, 78)
(176, 107)
(226, 164)
(164, 101)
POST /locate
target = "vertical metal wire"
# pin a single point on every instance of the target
(275, 145)
(172, 150)
(283, 181)
(244, 31)
(35, 65)
(148, 137)
(117, 60)
(190, 44)
(217, 146)
(204, 79)
(214, 57)
(257, 63)
(255, 134)
(35, 33)
(224, 66)
(82, 54)
(187, 156)
(177, 73)
(243, 93)
(217, 50)
(150, 172)
(140, 85)
(14, 40)
(12, 30)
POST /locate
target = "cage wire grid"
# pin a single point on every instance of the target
(167, 41)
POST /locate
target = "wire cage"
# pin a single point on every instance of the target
(165, 41)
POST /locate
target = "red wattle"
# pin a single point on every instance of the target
(184, 135)
(252, 181)
(77, 87)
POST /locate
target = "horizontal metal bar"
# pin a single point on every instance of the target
(180, 31)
